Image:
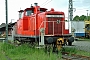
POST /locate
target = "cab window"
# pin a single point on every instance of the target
(42, 11)
(28, 12)
(20, 14)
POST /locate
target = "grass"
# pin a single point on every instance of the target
(2, 56)
(25, 52)
(70, 50)
(84, 39)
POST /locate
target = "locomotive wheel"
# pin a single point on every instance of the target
(70, 43)
(88, 36)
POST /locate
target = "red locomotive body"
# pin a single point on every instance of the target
(35, 20)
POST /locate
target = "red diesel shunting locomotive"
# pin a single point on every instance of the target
(45, 27)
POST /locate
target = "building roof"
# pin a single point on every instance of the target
(3, 26)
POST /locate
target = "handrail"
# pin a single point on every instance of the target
(48, 21)
(40, 26)
(2, 38)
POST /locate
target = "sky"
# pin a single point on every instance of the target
(59, 5)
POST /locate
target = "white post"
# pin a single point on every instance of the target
(3, 41)
(13, 33)
(42, 37)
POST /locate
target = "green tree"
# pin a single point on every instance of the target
(76, 18)
(87, 18)
(82, 17)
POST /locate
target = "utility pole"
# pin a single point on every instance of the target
(87, 14)
(70, 14)
(6, 6)
(70, 10)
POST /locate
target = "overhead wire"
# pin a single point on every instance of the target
(46, 2)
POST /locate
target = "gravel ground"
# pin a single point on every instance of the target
(81, 45)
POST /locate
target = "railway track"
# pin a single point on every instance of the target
(67, 56)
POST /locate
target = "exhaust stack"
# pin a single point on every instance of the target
(36, 4)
